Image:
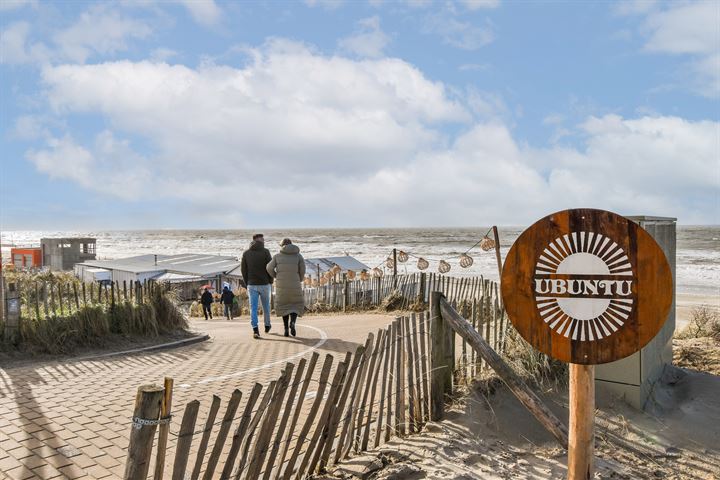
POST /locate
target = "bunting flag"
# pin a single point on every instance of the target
(465, 260)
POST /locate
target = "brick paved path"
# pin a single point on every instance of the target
(72, 419)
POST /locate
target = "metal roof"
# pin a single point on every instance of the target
(177, 278)
(346, 263)
(189, 263)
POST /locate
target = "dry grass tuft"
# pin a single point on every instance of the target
(705, 322)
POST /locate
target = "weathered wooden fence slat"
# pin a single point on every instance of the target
(185, 436)
(298, 407)
(285, 417)
(263, 441)
(252, 426)
(227, 420)
(205, 439)
(239, 434)
(322, 385)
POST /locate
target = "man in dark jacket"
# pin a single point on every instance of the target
(206, 299)
(226, 299)
(258, 281)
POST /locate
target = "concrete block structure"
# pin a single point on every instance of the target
(60, 254)
(633, 377)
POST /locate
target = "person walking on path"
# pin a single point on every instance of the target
(206, 299)
(288, 268)
(259, 283)
(226, 299)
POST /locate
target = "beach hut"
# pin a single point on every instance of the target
(186, 272)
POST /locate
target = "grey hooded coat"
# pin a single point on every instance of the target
(288, 269)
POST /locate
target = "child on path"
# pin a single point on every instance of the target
(207, 300)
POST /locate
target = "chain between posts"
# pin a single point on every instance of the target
(138, 423)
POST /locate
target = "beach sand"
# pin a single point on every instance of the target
(686, 303)
(495, 437)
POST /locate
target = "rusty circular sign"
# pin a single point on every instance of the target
(587, 286)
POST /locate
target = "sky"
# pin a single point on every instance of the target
(143, 114)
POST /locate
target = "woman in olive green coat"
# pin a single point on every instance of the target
(288, 270)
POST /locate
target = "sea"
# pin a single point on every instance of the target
(697, 260)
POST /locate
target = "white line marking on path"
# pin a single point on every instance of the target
(320, 342)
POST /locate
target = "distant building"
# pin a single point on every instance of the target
(26, 257)
(315, 266)
(188, 272)
(64, 253)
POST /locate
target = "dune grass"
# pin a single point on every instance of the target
(57, 319)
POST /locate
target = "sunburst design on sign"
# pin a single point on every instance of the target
(583, 286)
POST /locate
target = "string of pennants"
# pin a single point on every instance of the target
(466, 261)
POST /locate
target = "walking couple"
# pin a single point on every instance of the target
(260, 269)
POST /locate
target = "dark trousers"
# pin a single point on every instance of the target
(289, 320)
(207, 311)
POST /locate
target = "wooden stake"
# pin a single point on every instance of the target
(581, 437)
(165, 410)
(147, 407)
(497, 254)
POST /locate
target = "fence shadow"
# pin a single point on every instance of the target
(332, 344)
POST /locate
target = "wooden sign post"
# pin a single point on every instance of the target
(586, 287)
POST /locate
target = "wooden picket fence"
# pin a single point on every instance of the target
(380, 391)
(372, 395)
(47, 299)
(414, 289)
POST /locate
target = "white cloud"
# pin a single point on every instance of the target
(475, 67)
(686, 28)
(553, 119)
(418, 3)
(487, 104)
(478, 4)
(13, 4)
(206, 12)
(328, 4)
(368, 40)
(634, 7)
(32, 127)
(690, 29)
(162, 54)
(15, 48)
(295, 128)
(111, 166)
(464, 35)
(99, 30)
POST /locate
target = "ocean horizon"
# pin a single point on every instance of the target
(697, 268)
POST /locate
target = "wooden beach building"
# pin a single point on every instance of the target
(188, 272)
